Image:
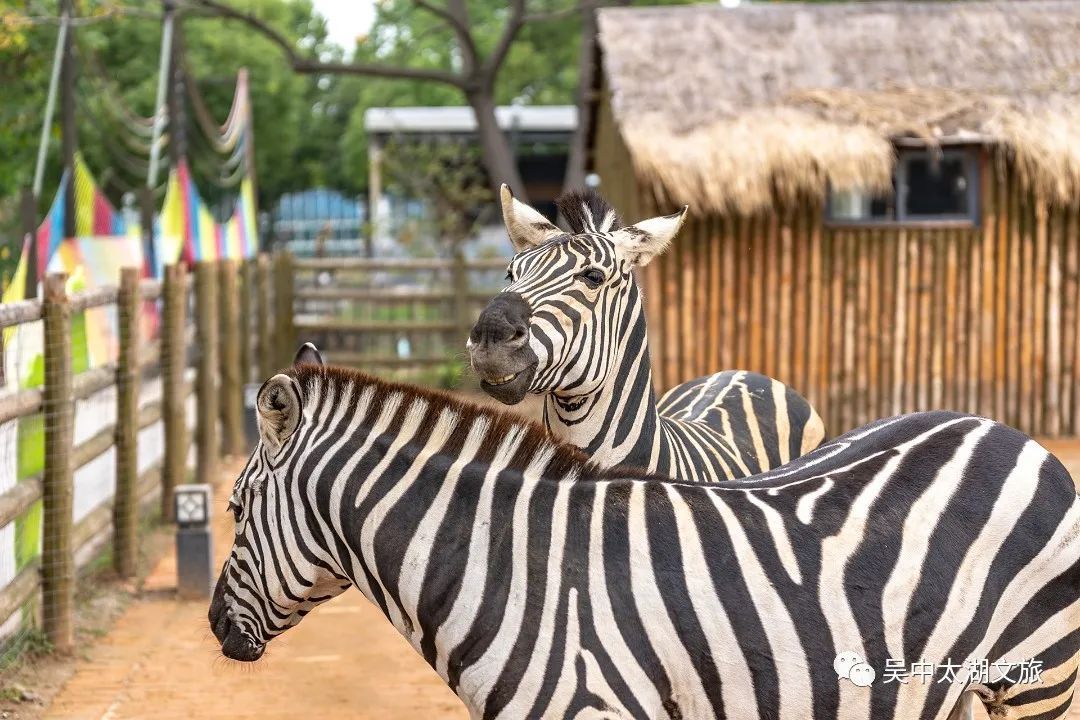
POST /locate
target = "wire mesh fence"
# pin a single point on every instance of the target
(104, 390)
(112, 396)
(404, 318)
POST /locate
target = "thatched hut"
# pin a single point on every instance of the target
(884, 198)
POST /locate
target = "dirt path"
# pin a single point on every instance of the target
(343, 662)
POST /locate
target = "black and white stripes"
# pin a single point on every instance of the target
(571, 327)
(539, 585)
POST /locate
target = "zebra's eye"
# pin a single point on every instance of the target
(592, 277)
(237, 512)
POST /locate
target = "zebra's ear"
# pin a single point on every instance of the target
(277, 410)
(648, 238)
(308, 354)
(527, 227)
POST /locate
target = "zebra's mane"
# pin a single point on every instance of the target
(348, 384)
(585, 211)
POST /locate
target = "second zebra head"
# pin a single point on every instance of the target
(571, 307)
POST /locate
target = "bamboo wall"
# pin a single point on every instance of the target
(869, 322)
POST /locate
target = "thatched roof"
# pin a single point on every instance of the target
(723, 107)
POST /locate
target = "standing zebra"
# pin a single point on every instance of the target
(571, 326)
(540, 586)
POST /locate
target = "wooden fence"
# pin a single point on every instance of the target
(406, 317)
(203, 358)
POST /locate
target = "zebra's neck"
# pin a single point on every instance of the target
(618, 422)
(410, 476)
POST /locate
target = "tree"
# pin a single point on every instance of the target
(539, 69)
(286, 122)
(25, 54)
(447, 176)
(297, 134)
(473, 73)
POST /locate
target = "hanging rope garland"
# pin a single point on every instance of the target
(135, 124)
(224, 137)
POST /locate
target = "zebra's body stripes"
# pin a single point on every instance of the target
(571, 326)
(540, 586)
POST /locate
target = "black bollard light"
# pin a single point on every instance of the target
(194, 549)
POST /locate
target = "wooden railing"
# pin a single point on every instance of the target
(226, 297)
(405, 316)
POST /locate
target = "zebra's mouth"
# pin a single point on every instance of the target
(495, 382)
(235, 644)
(509, 389)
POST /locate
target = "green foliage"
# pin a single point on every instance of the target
(449, 177)
(282, 101)
(308, 129)
(288, 126)
(29, 642)
(24, 77)
(540, 69)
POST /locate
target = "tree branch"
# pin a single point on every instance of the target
(502, 47)
(302, 64)
(459, 24)
(558, 14)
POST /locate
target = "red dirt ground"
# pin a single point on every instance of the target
(343, 662)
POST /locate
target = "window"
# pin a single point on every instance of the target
(928, 185)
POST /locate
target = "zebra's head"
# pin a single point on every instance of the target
(558, 326)
(277, 571)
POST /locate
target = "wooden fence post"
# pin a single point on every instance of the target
(285, 334)
(461, 294)
(57, 553)
(173, 385)
(29, 228)
(125, 502)
(265, 342)
(247, 287)
(206, 315)
(232, 391)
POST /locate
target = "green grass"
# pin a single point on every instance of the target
(397, 313)
(28, 643)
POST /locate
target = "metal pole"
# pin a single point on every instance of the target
(50, 104)
(160, 105)
(29, 223)
(249, 139)
(174, 98)
(146, 220)
(375, 154)
(68, 129)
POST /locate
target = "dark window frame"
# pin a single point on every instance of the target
(972, 157)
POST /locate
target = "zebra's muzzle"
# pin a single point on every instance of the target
(509, 389)
(239, 647)
(235, 645)
(499, 348)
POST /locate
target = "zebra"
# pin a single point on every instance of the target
(539, 585)
(571, 326)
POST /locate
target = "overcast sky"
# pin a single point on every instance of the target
(346, 19)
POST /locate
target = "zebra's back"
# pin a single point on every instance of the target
(934, 538)
(740, 422)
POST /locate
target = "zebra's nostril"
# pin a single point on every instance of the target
(519, 333)
(222, 626)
